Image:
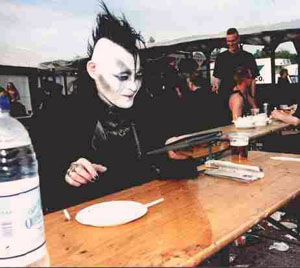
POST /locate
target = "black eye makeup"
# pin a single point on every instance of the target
(139, 75)
(122, 77)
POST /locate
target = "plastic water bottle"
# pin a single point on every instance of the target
(22, 237)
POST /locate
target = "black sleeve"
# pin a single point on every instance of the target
(167, 168)
(217, 70)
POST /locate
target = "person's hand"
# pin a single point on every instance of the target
(215, 85)
(215, 88)
(82, 172)
(177, 155)
(286, 118)
(279, 115)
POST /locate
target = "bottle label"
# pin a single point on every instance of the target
(22, 238)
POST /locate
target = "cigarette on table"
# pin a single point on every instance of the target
(155, 202)
(284, 158)
(67, 214)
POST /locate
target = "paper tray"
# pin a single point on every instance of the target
(226, 169)
(231, 175)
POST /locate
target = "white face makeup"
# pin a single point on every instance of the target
(118, 77)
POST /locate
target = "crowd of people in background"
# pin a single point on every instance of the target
(17, 109)
(182, 89)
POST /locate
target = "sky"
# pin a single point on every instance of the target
(43, 30)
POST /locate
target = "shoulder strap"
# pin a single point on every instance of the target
(240, 93)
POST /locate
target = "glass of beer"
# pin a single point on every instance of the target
(239, 146)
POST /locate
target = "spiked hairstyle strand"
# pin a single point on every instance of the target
(117, 30)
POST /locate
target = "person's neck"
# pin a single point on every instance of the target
(235, 51)
(104, 100)
(106, 106)
(241, 87)
(112, 110)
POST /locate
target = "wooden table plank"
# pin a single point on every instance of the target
(256, 132)
(197, 218)
(200, 151)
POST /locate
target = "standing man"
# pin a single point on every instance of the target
(226, 64)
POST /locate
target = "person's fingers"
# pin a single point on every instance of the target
(77, 178)
(172, 139)
(177, 156)
(78, 173)
(99, 168)
(69, 180)
(89, 168)
(92, 169)
(82, 172)
(274, 113)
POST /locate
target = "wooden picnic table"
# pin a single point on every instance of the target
(202, 150)
(256, 132)
(197, 218)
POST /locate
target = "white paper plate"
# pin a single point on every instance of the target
(111, 213)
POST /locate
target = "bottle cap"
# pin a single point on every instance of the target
(4, 103)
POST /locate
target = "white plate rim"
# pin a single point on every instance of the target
(81, 213)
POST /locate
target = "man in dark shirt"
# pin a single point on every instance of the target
(196, 111)
(228, 61)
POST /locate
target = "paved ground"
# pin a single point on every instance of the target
(256, 252)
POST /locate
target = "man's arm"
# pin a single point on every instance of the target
(251, 96)
(236, 106)
(253, 88)
(216, 76)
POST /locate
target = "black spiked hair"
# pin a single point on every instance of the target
(118, 30)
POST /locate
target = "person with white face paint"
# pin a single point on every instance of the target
(116, 73)
(115, 68)
(102, 137)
